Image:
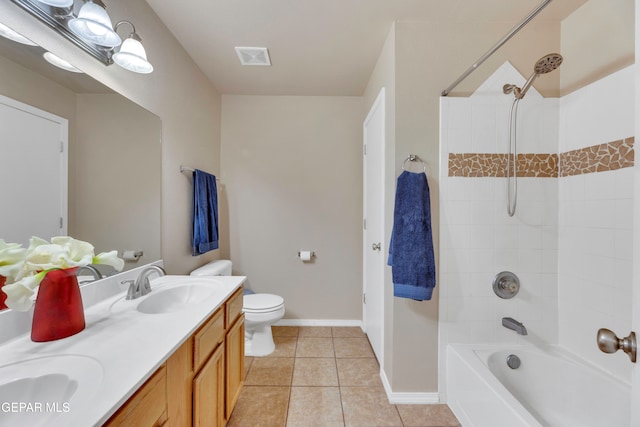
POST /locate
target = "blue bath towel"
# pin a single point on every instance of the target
(411, 248)
(205, 213)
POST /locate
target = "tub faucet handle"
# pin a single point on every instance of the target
(609, 342)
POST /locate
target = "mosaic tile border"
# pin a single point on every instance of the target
(598, 158)
(495, 165)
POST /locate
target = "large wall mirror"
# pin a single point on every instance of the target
(114, 154)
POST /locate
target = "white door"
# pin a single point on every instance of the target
(34, 155)
(373, 244)
(635, 321)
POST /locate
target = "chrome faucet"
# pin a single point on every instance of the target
(141, 285)
(511, 323)
(94, 272)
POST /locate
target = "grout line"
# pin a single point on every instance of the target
(286, 414)
(335, 361)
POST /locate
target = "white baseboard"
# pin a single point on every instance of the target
(398, 398)
(319, 322)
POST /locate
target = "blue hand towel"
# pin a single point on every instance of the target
(205, 213)
(411, 248)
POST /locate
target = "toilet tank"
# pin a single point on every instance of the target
(220, 267)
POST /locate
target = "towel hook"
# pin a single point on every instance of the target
(414, 158)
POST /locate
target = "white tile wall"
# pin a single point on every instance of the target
(570, 240)
(478, 238)
(596, 219)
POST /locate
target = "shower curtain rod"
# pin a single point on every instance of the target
(497, 46)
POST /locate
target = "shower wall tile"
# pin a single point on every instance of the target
(570, 239)
(598, 158)
(479, 239)
(495, 165)
(600, 112)
(596, 216)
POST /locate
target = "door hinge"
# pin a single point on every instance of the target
(364, 149)
(364, 223)
(62, 146)
(60, 222)
(364, 298)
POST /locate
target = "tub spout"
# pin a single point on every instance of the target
(511, 323)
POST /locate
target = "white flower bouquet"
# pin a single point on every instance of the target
(24, 268)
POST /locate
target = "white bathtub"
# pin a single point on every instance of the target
(550, 388)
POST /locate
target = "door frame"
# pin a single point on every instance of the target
(378, 104)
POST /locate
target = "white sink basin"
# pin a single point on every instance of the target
(175, 298)
(45, 391)
(171, 294)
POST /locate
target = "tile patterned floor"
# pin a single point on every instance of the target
(324, 377)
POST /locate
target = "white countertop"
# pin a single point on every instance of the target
(127, 346)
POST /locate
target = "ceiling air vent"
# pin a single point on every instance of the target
(253, 56)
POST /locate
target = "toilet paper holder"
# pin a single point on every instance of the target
(312, 253)
(132, 255)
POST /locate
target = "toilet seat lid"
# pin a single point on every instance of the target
(262, 302)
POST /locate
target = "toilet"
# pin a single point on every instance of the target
(260, 312)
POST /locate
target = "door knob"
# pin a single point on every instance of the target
(376, 246)
(608, 342)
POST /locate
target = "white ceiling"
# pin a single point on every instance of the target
(317, 47)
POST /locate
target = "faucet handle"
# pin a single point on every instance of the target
(134, 291)
(145, 286)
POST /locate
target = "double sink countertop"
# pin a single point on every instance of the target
(82, 380)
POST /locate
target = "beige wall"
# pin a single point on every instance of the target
(117, 206)
(291, 181)
(597, 40)
(177, 91)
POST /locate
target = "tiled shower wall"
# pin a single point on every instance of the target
(569, 241)
(595, 222)
(477, 237)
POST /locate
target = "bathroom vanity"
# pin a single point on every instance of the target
(200, 382)
(172, 357)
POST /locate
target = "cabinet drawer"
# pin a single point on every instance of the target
(234, 307)
(207, 338)
(147, 407)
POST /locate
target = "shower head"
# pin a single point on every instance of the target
(548, 63)
(544, 65)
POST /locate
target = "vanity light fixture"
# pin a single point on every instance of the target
(8, 33)
(94, 25)
(87, 24)
(131, 54)
(60, 63)
(57, 3)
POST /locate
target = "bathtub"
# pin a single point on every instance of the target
(550, 388)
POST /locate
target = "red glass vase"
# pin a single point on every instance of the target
(3, 296)
(58, 312)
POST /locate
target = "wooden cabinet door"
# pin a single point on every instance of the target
(147, 407)
(208, 392)
(234, 355)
